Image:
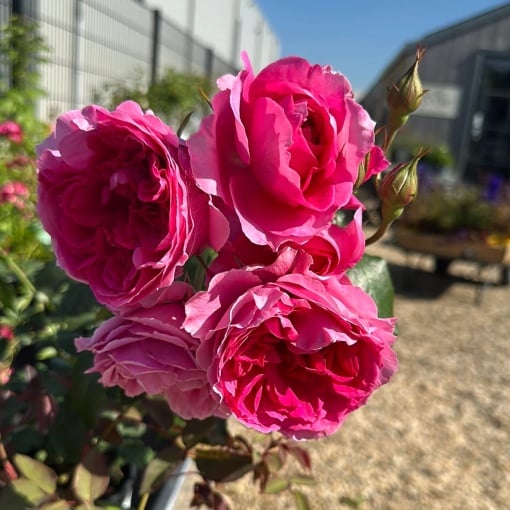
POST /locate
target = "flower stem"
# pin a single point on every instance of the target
(143, 501)
(17, 271)
(381, 230)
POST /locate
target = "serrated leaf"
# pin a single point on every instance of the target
(276, 485)
(301, 501)
(372, 275)
(90, 479)
(43, 476)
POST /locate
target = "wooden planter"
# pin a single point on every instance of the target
(447, 247)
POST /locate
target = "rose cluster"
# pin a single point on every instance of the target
(276, 335)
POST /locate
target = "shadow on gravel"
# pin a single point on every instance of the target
(417, 283)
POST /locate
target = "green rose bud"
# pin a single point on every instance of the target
(404, 98)
(396, 190)
(399, 186)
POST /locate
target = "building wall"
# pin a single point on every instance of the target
(228, 26)
(448, 70)
(96, 42)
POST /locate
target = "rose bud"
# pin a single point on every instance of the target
(400, 185)
(397, 189)
(403, 98)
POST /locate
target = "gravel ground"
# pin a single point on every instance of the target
(438, 435)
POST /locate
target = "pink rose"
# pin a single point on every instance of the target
(5, 374)
(15, 193)
(287, 350)
(6, 332)
(332, 251)
(114, 196)
(12, 131)
(147, 351)
(19, 161)
(375, 163)
(336, 249)
(282, 149)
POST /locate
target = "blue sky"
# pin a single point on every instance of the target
(360, 37)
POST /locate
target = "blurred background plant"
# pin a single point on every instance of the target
(172, 97)
(459, 209)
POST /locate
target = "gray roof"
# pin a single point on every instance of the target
(444, 34)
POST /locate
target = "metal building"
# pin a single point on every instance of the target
(467, 71)
(93, 42)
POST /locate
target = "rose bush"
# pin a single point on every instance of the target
(113, 194)
(230, 264)
(288, 351)
(282, 149)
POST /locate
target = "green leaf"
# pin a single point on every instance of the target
(43, 476)
(26, 439)
(276, 485)
(303, 480)
(28, 490)
(12, 500)
(86, 397)
(89, 506)
(90, 479)
(219, 463)
(159, 411)
(352, 502)
(161, 465)
(273, 461)
(136, 452)
(56, 505)
(373, 276)
(211, 430)
(301, 501)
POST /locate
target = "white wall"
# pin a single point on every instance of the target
(112, 40)
(226, 26)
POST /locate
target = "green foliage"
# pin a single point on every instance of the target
(22, 50)
(172, 97)
(438, 156)
(373, 276)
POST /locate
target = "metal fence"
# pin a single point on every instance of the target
(93, 43)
